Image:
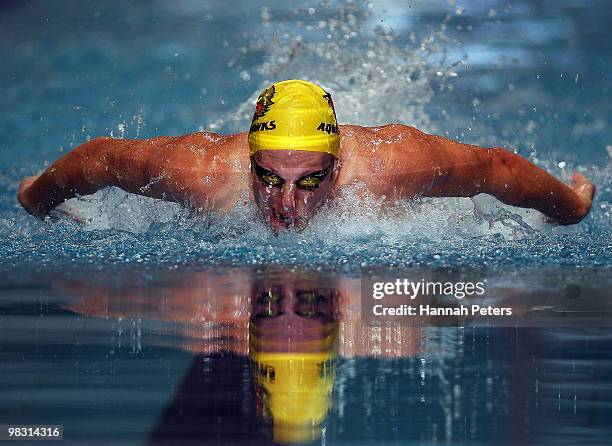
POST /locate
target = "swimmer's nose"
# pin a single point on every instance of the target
(288, 199)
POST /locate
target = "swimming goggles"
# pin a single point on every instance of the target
(308, 182)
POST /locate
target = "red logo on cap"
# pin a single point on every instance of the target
(264, 102)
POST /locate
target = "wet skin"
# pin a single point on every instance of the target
(289, 203)
(214, 172)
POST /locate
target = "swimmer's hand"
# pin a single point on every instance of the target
(585, 189)
(62, 210)
(25, 200)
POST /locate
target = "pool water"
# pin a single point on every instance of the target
(135, 356)
(531, 79)
(141, 326)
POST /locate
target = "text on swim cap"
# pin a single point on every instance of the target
(326, 367)
(263, 371)
(259, 126)
(328, 128)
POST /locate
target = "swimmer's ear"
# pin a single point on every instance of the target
(252, 164)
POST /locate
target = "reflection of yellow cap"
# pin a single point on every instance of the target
(294, 115)
(295, 388)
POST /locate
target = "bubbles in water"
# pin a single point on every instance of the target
(245, 75)
(390, 84)
(375, 78)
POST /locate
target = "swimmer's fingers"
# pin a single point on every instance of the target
(584, 190)
(27, 182)
(583, 187)
(21, 195)
(61, 211)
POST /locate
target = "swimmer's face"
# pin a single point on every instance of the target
(289, 311)
(289, 185)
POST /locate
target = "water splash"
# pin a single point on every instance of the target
(376, 76)
(373, 76)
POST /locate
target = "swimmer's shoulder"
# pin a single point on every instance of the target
(210, 140)
(353, 138)
(376, 142)
(356, 154)
(380, 131)
(368, 153)
(388, 134)
(215, 146)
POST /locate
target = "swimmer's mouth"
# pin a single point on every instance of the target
(283, 220)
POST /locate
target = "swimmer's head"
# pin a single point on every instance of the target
(293, 346)
(294, 115)
(294, 142)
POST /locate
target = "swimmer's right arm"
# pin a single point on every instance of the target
(168, 168)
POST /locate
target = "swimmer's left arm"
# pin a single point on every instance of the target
(452, 169)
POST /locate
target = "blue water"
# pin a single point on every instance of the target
(529, 78)
(133, 356)
(133, 328)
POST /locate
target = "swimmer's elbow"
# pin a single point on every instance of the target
(495, 165)
(503, 173)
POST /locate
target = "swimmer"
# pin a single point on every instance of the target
(293, 158)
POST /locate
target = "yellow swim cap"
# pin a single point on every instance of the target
(295, 387)
(295, 115)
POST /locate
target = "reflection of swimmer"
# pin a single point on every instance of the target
(293, 345)
(211, 312)
(298, 157)
(292, 340)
